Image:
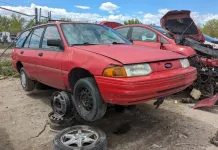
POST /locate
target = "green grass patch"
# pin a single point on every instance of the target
(6, 69)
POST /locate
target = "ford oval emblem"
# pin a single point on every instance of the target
(168, 65)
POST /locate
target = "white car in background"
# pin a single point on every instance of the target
(211, 41)
(5, 37)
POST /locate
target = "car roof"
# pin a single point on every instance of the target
(60, 22)
(142, 25)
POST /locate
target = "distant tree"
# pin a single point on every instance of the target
(132, 21)
(210, 28)
(4, 23)
(66, 19)
(16, 24)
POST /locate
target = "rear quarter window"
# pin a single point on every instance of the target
(21, 39)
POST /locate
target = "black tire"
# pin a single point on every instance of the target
(62, 105)
(99, 144)
(29, 84)
(90, 88)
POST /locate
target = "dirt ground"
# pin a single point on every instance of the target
(174, 126)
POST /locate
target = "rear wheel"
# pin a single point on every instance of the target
(88, 101)
(26, 82)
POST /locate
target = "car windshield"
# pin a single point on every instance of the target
(210, 39)
(91, 34)
(163, 31)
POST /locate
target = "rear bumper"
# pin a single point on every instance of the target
(127, 91)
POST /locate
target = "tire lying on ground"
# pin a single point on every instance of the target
(80, 138)
(58, 123)
(88, 101)
(26, 82)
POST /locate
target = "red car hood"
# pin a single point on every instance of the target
(131, 54)
(177, 21)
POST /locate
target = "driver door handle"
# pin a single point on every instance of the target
(40, 54)
(21, 52)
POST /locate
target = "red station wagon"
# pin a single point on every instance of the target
(97, 66)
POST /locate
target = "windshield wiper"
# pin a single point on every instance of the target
(85, 43)
(118, 43)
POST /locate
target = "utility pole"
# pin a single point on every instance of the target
(36, 16)
(40, 14)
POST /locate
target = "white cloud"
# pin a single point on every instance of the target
(147, 18)
(140, 12)
(163, 11)
(58, 13)
(82, 7)
(109, 7)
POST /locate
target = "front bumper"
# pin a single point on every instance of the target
(127, 91)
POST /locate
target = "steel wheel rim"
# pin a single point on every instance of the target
(23, 79)
(86, 99)
(79, 138)
(59, 104)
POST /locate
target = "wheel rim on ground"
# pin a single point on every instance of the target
(79, 138)
(86, 99)
(59, 104)
(23, 79)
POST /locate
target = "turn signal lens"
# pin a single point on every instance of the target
(115, 72)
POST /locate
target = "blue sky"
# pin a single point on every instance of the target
(118, 10)
(131, 6)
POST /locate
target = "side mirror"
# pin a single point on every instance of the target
(55, 42)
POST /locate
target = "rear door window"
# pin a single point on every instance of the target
(143, 34)
(35, 38)
(123, 31)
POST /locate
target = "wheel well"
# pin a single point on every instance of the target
(76, 74)
(19, 66)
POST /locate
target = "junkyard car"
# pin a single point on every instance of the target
(176, 25)
(98, 66)
(211, 41)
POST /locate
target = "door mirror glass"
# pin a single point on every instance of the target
(55, 42)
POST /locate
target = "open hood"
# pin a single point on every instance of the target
(176, 22)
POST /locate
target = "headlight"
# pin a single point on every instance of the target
(128, 71)
(185, 63)
(138, 70)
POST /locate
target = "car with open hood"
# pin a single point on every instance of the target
(97, 66)
(175, 27)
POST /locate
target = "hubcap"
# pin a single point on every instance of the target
(79, 138)
(86, 99)
(23, 79)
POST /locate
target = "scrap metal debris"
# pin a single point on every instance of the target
(214, 140)
(208, 102)
(156, 146)
(159, 101)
